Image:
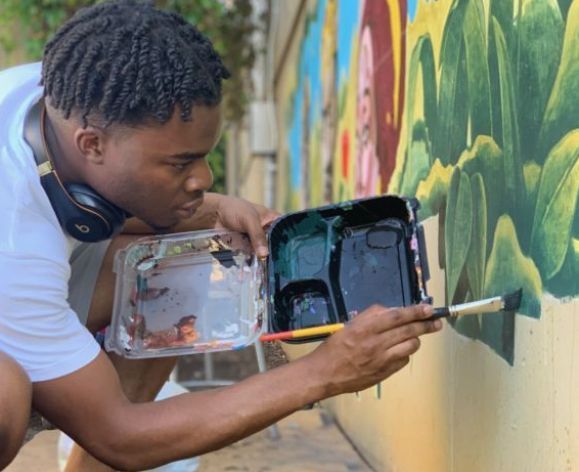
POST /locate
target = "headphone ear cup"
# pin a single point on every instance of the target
(81, 212)
(101, 219)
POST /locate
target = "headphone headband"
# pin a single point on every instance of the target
(81, 212)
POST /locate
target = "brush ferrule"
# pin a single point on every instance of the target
(487, 305)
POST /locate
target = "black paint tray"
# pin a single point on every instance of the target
(328, 264)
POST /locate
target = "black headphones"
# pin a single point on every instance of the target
(82, 212)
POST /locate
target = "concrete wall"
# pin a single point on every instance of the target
(470, 105)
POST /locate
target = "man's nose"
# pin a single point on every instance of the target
(200, 177)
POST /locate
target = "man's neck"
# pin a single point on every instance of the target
(60, 147)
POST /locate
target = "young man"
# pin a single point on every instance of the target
(132, 108)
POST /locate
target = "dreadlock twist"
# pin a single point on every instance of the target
(127, 62)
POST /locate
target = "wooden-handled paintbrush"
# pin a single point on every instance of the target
(508, 302)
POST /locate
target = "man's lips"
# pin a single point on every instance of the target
(187, 210)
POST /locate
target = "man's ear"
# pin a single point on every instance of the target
(90, 141)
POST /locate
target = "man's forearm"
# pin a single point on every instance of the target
(136, 436)
(90, 405)
(197, 423)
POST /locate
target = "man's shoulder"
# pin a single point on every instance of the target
(16, 83)
(24, 207)
(19, 89)
(13, 77)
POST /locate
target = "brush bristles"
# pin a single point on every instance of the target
(512, 301)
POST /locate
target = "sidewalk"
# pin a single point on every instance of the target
(307, 443)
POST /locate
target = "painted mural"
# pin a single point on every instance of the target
(345, 114)
(469, 105)
(492, 147)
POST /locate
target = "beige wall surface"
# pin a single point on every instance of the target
(474, 111)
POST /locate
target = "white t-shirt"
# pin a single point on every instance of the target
(37, 326)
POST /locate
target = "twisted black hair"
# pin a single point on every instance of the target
(127, 62)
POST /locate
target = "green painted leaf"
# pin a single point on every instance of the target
(422, 57)
(556, 205)
(532, 175)
(513, 169)
(457, 228)
(540, 30)
(417, 162)
(432, 191)
(486, 158)
(494, 79)
(477, 254)
(564, 6)
(562, 112)
(442, 239)
(503, 11)
(450, 138)
(475, 40)
(432, 196)
(508, 269)
(421, 60)
(564, 283)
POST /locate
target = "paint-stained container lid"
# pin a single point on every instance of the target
(186, 293)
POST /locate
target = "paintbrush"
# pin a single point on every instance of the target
(302, 333)
(508, 302)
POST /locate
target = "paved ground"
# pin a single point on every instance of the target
(307, 443)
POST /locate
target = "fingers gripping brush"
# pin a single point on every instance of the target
(508, 302)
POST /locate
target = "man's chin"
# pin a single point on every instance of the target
(162, 228)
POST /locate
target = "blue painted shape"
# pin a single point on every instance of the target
(348, 22)
(412, 7)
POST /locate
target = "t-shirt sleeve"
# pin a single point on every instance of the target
(37, 326)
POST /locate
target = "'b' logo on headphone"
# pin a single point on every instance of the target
(82, 228)
(87, 230)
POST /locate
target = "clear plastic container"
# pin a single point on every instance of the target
(187, 293)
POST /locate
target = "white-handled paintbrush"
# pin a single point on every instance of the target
(508, 302)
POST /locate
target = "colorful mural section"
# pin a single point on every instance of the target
(345, 113)
(469, 105)
(492, 128)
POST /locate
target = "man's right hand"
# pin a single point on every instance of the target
(375, 345)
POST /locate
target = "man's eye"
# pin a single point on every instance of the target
(179, 166)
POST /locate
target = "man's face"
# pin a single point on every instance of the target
(159, 173)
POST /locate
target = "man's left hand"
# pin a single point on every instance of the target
(237, 214)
